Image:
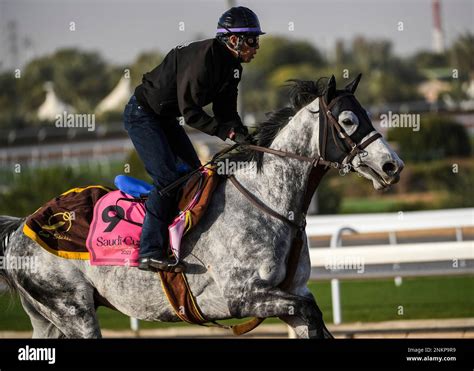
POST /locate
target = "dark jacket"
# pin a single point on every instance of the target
(190, 77)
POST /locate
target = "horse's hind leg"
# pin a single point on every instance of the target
(59, 295)
(42, 327)
(61, 321)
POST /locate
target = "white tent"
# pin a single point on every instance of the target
(117, 98)
(52, 105)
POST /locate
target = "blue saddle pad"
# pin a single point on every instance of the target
(132, 186)
(136, 187)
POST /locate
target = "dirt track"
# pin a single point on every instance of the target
(450, 328)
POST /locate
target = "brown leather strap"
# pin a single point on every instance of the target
(293, 259)
(357, 149)
(314, 178)
(324, 140)
(332, 120)
(277, 152)
(261, 205)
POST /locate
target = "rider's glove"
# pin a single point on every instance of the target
(239, 135)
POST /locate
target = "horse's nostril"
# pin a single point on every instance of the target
(389, 168)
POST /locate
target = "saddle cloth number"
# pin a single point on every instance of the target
(111, 239)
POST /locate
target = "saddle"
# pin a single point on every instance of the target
(103, 225)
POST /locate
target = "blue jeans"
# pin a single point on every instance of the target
(160, 142)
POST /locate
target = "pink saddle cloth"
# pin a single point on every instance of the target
(114, 234)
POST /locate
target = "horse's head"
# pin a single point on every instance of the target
(348, 137)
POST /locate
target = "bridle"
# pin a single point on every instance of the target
(354, 148)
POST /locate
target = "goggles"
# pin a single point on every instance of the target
(251, 41)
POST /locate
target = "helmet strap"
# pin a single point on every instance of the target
(238, 47)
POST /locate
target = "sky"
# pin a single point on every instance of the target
(120, 29)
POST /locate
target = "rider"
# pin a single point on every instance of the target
(190, 77)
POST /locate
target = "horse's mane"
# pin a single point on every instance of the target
(301, 93)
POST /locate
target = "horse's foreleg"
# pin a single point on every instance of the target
(302, 313)
(302, 329)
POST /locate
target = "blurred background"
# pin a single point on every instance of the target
(86, 57)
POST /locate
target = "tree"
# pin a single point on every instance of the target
(9, 99)
(426, 59)
(439, 137)
(80, 79)
(144, 63)
(278, 51)
(277, 60)
(462, 53)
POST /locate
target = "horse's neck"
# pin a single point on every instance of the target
(282, 182)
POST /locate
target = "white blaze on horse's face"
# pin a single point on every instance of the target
(379, 163)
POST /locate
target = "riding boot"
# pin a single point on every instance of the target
(161, 261)
(154, 238)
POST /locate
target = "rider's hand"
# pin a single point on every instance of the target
(239, 135)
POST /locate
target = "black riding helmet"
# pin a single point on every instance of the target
(242, 22)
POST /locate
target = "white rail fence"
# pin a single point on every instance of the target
(355, 261)
(392, 222)
(425, 258)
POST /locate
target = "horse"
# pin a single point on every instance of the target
(237, 255)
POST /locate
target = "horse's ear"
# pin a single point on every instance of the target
(352, 86)
(331, 89)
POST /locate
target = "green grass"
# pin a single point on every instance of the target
(374, 300)
(352, 205)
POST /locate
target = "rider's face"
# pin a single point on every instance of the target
(248, 48)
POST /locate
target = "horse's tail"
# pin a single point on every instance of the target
(8, 224)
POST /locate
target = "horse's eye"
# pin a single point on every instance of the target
(347, 122)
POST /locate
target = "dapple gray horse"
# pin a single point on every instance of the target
(237, 254)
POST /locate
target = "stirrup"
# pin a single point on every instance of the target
(178, 267)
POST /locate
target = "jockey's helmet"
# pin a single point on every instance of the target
(239, 20)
